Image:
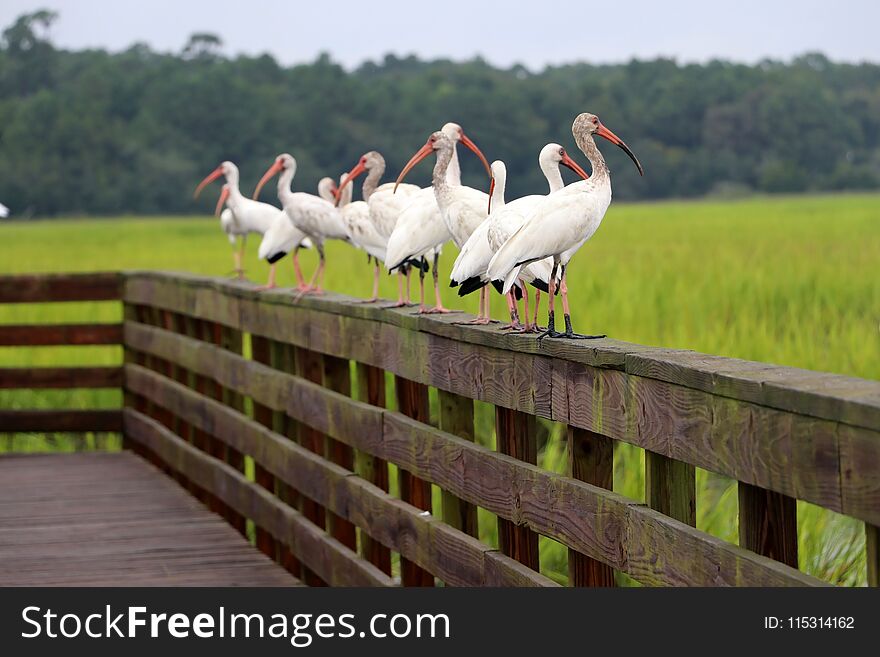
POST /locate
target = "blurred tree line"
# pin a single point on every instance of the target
(99, 133)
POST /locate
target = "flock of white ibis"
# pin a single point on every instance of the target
(508, 244)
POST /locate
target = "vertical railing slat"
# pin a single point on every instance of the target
(371, 390)
(412, 400)
(671, 487)
(337, 377)
(590, 459)
(260, 352)
(768, 523)
(457, 417)
(515, 435)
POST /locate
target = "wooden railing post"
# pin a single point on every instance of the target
(768, 523)
(412, 400)
(457, 418)
(309, 365)
(260, 352)
(371, 389)
(872, 553)
(337, 377)
(671, 487)
(515, 436)
(590, 459)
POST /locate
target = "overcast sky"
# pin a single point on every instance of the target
(531, 32)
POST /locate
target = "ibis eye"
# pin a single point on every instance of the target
(561, 152)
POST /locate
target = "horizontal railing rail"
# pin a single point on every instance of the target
(51, 288)
(272, 411)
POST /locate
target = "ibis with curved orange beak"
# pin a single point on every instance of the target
(314, 216)
(463, 208)
(561, 223)
(245, 216)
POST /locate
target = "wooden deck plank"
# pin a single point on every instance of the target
(99, 519)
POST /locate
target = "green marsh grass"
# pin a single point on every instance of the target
(788, 280)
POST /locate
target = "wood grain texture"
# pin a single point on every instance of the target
(590, 459)
(671, 487)
(337, 377)
(457, 418)
(60, 421)
(39, 335)
(260, 352)
(371, 390)
(824, 396)
(42, 378)
(601, 524)
(515, 436)
(34, 288)
(400, 526)
(412, 401)
(768, 524)
(98, 519)
(323, 554)
(607, 387)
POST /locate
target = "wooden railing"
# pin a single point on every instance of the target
(60, 288)
(293, 444)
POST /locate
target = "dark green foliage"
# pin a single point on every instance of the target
(99, 133)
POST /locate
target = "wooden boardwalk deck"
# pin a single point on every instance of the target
(112, 519)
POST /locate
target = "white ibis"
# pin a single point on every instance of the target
(384, 206)
(249, 216)
(361, 231)
(4, 211)
(463, 208)
(503, 221)
(562, 222)
(313, 215)
(421, 231)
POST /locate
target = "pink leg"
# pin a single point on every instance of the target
(297, 271)
(408, 282)
(270, 285)
(400, 300)
(311, 288)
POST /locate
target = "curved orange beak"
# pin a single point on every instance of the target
(224, 194)
(420, 155)
(491, 191)
(574, 166)
(357, 170)
(470, 144)
(602, 131)
(211, 177)
(276, 167)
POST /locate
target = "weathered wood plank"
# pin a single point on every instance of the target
(323, 554)
(337, 377)
(590, 459)
(457, 418)
(397, 525)
(261, 353)
(412, 400)
(60, 421)
(671, 487)
(872, 553)
(371, 390)
(768, 524)
(515, 436)
(583, 518)
(34, 288)
(825, 396)
(110, 519)
(794, 454)
(41, 378)
(40, 335)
